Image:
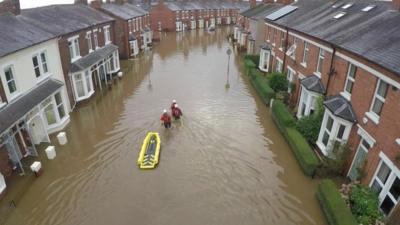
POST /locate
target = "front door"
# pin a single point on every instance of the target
(358, 161)
(38, 130)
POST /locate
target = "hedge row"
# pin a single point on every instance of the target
(260, 83)
(254, 58)
(249, 64)
(334, 207)
(301, 149)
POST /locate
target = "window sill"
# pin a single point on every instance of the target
(373, 117)
(317, 74)
(2, 104)
(304, 64)
(346, 95)
(85, 97)
(43, 77)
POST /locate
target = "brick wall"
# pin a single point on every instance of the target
(161, 13)
(11, 6)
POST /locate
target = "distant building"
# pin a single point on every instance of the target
(33, 97)
(87, 47)
(132, 26)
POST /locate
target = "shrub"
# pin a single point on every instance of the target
(278, 82)
(260, 83)
(364, 204)
(282, 115)
(309, 126)
(333, 206)
(254, 58)
(304, 154)
(335, 163)
(248, 64)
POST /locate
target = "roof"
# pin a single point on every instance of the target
(261, 10)
(18, 33)
(125, 11)
(340, 107)
(314, 84)
(64, 19)
(206, 4)
(373, 35)
(16, 110)
(92, 58)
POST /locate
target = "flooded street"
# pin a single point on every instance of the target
(225, 163)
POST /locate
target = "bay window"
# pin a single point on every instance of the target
(386, 183)
(378, 101)
(264, 59)
(83, 85)
(40, 64)
(134, 47)
(113, 62)
(307, 103)
(333, 129)
(53, 110)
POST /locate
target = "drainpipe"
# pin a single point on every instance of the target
(331, 70)
(73, 91)
(284, 50)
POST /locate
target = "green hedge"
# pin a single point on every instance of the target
(304, 154)
(254, 58)
(334, 207)
(282, 117)
(260, 83)
(248, 64)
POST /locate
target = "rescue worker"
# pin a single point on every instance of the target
(166, 119)
(173, 105)
(177, 112)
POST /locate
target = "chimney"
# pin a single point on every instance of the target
(121, 2)
(268, 1)
(11, 6)
(285, 2)
(253, 3)
(85, 2)
(96, 4)
(396, 4)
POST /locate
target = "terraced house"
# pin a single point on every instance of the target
(132, 26)
(33, 96)
(348, 52)
(186, 15)
(89, 56)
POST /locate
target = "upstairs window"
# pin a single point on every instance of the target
(89, 41)
(130, 26)
(107, 35)
(73, 45)
(282, 44)
(321, 57)
(379, 98)
(40, 64)
(305, 53)
(96, 40)
(351, 76)
(10, 79)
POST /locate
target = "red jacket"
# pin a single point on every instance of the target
(165, 118)
(177, 112)
(173, 106)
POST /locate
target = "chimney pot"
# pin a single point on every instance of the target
(396, 4)
(96, 4)
(253, 3)
(11, 6)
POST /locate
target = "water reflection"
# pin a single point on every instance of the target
(224, 163)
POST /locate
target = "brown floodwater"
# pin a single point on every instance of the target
(224, 163)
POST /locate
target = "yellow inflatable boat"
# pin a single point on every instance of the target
(150, 152)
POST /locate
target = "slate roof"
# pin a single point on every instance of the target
(92, 58)
(18, 33)
(124, 11)
(340, 107)
(313, 83)
(64, 19)
(261, 10)
(16, 110)
(373, 35)
(206, 4)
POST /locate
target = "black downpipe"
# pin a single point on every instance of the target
(331, 70)
(285, 49)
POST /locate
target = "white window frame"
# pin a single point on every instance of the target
(325, 149)
(320, 62)
(310, 102)
(43, 75)
(265, 57)
(134, 47)
(282, 40)
(306, 52)
(290, 77)
(89, 41)
(54, 105)
(107, 34)
(74, 51)
(345, 93)
(130, 29)
(14, 79)
(371, 114)
(88, 93)
(96, 39)
(385, 188)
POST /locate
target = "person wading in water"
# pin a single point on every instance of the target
(166, 119)
(177, 112)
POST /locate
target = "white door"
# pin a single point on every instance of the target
(2, 183)
(38, 130)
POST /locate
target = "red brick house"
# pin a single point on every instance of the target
(185, 15)
(132, 26)
(347, 52)
(89, 56)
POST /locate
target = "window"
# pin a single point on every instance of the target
(89, 41)
(10, 79)
(49, 113)
(134, 47)
(134, 25)
(53, 109)
(129, 26)
(339, 15)
(379, 98)
(107, 36)
(359, 160)
(351, 76)
(40, 64)
(320, 64)
(73, 45)
(290, 78)
(368, 8)
(333, 129)
(292, 50)
(278, 65)
(282, 44)
(347, 6)
(140, 23)
(386, 183)
(273, 37)
(264, 60)
(307, 103)
(305, 53)
(88, 81)
(60, 105)
(83, 85)
(96, 41)
(80, 89)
